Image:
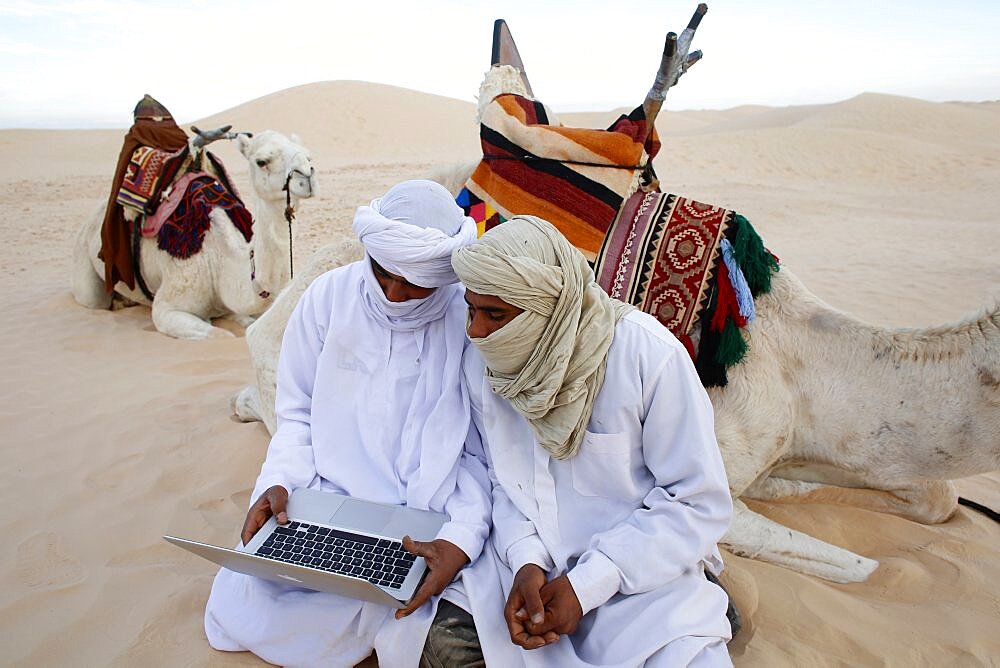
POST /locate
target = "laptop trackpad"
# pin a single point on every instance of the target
(362, 516)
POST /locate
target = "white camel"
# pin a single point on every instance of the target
(823, 407)
(216, 281)
(827, 408)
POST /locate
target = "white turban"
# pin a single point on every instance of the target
(412, 231)
(549, 361)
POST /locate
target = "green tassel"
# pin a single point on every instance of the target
(732, 347)
(755, 262)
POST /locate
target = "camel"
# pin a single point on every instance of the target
(822, 408)
(827, 408)
(218, 280)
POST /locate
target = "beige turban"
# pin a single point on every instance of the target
(548, 361)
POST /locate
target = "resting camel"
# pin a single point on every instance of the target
(216, 281)
(823, 406)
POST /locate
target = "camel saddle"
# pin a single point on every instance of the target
(695, 267)
(148, 172)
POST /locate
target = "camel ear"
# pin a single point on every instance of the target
(295, 139)
(243, 141)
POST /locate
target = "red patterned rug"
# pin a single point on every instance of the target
(148, 171)
(184, 230)
(659, 256)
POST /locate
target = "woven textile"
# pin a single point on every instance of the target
(659, 256)
(148, 171)
(577, 179)
(152, 223)
(184, 231)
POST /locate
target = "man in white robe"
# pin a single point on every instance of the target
(609, 492)
(369, 404)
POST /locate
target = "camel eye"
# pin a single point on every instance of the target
(261, 163)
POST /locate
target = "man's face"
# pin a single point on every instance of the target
(488, 314)
(397, 288)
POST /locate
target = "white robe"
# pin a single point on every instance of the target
(345, 385)
(631, 519)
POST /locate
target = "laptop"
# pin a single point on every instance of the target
(337, 544)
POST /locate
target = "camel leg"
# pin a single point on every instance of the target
(246, 404)
(170, 320)
(86, 284)
(927, 502)
(754, 536)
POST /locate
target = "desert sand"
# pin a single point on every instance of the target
(114, 434)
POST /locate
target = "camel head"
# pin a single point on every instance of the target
(276, 161)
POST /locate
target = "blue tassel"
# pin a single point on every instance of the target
(743, 295)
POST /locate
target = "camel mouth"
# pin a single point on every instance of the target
(303, 184)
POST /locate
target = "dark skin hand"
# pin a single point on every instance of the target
(562, 609)
(272, 502)
(444, 560)
(525, 611)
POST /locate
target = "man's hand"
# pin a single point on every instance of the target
(562, 609)
(444, 560)
(271, 502)
(524, 609)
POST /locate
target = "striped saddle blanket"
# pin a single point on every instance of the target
(148, 172)
(577, 179)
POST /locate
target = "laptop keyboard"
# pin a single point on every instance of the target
(380, 561)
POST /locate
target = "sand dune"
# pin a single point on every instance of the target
(347, 122)
(115, 434)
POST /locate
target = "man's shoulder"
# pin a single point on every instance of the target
(642, 331)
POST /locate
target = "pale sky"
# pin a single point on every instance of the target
(84, 63)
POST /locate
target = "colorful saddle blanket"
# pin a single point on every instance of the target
(684, 262)
(577, 179)
(183, 232)
(149, 170)
(659, 255)
(688, 264)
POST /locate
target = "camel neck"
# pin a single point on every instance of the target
(270, 246)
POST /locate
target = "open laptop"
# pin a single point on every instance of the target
(336, 544)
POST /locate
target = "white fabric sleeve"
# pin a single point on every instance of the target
(514, 535)
(290, 461)
(685, 515)
(468, 507)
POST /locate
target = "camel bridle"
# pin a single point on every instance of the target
(289, 216)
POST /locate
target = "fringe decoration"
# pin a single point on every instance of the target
(732, 347)
(754, 260)
(728, 308)
(711, 373)
(727, 321)
(739, 282)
